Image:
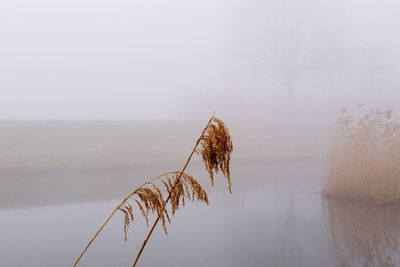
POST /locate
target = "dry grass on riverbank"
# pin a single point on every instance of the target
(365, 159)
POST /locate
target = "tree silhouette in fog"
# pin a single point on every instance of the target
(277, 39)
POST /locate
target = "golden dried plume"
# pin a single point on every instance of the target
(175, 188)
(215, 148)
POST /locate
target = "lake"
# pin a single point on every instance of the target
(60, 180)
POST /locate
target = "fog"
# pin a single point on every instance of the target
(186, 59)
(98, 96)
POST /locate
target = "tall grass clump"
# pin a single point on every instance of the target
(161, 196)
(364, 164)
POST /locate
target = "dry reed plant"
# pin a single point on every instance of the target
(365, 159)
(174, 188)
(363, 235)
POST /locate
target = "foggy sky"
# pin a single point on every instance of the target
(186, 59)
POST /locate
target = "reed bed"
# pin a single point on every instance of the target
(174, 188)
(364, 163)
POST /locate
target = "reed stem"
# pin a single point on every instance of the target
(110, 216)
(169, 195)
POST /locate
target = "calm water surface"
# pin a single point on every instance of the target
(275, 217)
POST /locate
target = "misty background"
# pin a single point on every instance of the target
(186, 59)
(97, 96)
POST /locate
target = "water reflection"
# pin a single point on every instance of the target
(363, 235)
(272, 219)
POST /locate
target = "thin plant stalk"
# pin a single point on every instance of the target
(109, 218)
(169, 195)
(134, 192)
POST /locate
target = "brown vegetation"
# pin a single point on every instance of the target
(365, 159)
(215, 147)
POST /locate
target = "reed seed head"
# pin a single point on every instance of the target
(215, 148)
(150, 198)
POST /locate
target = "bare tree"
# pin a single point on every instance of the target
(278, 39)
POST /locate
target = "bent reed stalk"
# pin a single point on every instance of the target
(215, 146)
